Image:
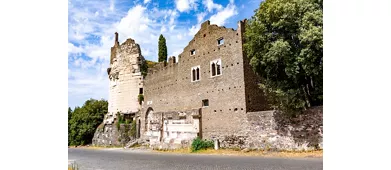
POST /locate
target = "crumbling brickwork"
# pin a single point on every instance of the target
(125, 78)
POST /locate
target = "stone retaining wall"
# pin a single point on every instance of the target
(109, 135)
(271, 130)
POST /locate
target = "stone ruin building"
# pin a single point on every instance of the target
(210, 91)
(126, 83)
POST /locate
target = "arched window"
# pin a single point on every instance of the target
(194, 74)
(213, 69)
(198, 73)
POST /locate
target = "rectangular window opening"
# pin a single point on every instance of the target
(220, 41)
(192, 52)
(141, 91)
(205, 103)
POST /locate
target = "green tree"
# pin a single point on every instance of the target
(69, 113)
(84, 121)
(284, 42)
(69, 118)
(162, 49)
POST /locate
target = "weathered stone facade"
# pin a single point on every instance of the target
(170, 87)
(125, 79)
(209, 91)
(172, 129)
(237, 113)
(125, 83)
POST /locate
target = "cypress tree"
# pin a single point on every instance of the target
(162, 49)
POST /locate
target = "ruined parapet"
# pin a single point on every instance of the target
(171, 60)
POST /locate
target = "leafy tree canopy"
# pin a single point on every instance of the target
(284, 41)
(84, 120)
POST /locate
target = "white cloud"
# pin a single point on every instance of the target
(210, 5)
(221, 17)
(72, 49)
(194, 29)
(146, 1)
(185, 5)
(91, 35)
(201, 16)
(83, 86)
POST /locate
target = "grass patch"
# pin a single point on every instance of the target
(235, 152)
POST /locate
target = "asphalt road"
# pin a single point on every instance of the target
(118, 159)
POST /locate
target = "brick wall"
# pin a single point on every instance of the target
(169, 87)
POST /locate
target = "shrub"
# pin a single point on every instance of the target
(133, 129)
(199, 144)
(140, 98)
(120, 120)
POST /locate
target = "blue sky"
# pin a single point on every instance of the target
(91, 27)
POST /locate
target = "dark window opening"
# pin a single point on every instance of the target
(193, 75)
(192, 52)
(213, 69)
(218, 67)
(205, 103)
(236, 109)
(141, 91)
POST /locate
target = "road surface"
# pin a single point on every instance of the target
(118, 159)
